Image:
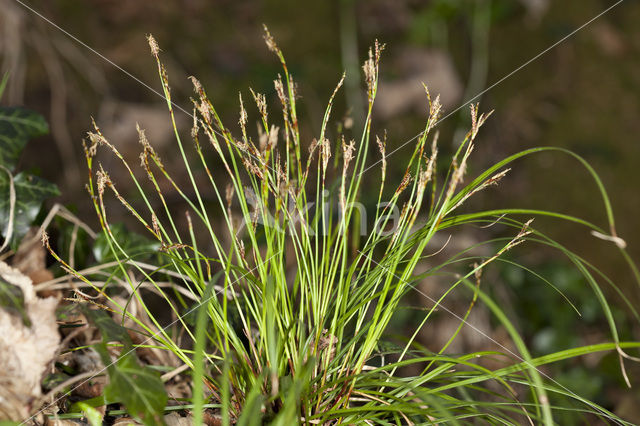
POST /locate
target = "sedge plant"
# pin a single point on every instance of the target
(290, 301)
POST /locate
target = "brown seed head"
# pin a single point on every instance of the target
(153, 45)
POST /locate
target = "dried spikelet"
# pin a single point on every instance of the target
(90, 151)
(382, 147)
(155, 225)
(325, 148)
(282, 181)
(165, 83)
(175, 246)
(524, 231)
(493, 180)
(268, 39)
(205, 112)
(426, 89)
(370, 69)
(144, 162)
(252, 167)
(248, 148)
(347, 151)
(102, 180)
(195, 127)
(197, 85)
(378, 48)
(435, 109)
(313, 146)
(147, 148)
(142, 138)
(279, 86)
(96, 139)
(369, 73)
(474, 117)
(483, 118)
(477, 122)
(243, 112)
(153, 45)
(203, 106)
(45, 238)
(261, 103)
(406, 179)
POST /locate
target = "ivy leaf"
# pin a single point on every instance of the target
(17, 126)
(110, 331)
(133, 244)
(138, 387)
(31, 191)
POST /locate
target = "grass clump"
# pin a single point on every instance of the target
(284, 284)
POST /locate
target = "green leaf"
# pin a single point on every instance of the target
(12, 301)
(31, 191)
(95, 402)
(132, 243)
(17, 126)
(138, 387)
(93, 416)
(111, 332)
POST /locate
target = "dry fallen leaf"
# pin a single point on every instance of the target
(27, 345)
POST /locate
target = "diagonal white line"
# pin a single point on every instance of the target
(149, 338)
(554, 45)
(127, 73)
(77, 40)
(459, 318)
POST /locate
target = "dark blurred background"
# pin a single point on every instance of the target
(584, 95)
